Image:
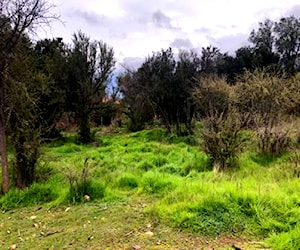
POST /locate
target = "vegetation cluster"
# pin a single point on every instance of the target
(211, 138)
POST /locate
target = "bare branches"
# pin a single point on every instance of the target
(18, 16)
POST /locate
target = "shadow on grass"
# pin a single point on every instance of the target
(267, 159)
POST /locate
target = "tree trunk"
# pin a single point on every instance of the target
(5, 179)
(25, 162)
(84, 127)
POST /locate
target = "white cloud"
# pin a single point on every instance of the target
(136, 28)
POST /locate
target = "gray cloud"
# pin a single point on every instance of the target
(180, 43)
(295, 11)
(161, 20)
(89, 17)
(204, 30)
(230, 43)
(132, 63)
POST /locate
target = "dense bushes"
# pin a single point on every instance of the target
(259, 101)
(223, 140)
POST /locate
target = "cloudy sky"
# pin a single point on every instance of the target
(136, 28)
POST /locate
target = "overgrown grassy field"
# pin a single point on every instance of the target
(150, 190)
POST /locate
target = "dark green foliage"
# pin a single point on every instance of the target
(25, 128)
(137, 107)
(128, 181)
(105, 113)
(210, 57)
(162, 87)
(287, 32)
(90, 66)
(51, 57)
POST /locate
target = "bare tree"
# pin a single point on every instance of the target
(16, 18)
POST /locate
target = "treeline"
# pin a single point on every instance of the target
(40, 81)
(164, 85)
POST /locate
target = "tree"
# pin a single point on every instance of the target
(166, 83)
(263, 37)
(51, 59)
(25, 124)
(209, 57)
(245, 59)
(156, 75)
(187, 69)
(287, 35)
(16, 17)
(90, 66)
(136, 104)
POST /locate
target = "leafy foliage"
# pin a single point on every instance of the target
(90, 66)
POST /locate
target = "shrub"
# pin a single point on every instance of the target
(80, 186)
(212, 95)
(273, 142)
(223, 140)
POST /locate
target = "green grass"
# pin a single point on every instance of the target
(184, 198)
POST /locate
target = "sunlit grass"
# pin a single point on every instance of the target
(260, 200)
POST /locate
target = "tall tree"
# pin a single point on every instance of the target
(287, 33)
(165, 84)
(136, 104)
(51, 56)
(263, 37)
(27, 87)
(91, 64)
(16, 17)
(187, 69)
(263, 40)
(157, 76)
(209, 57)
